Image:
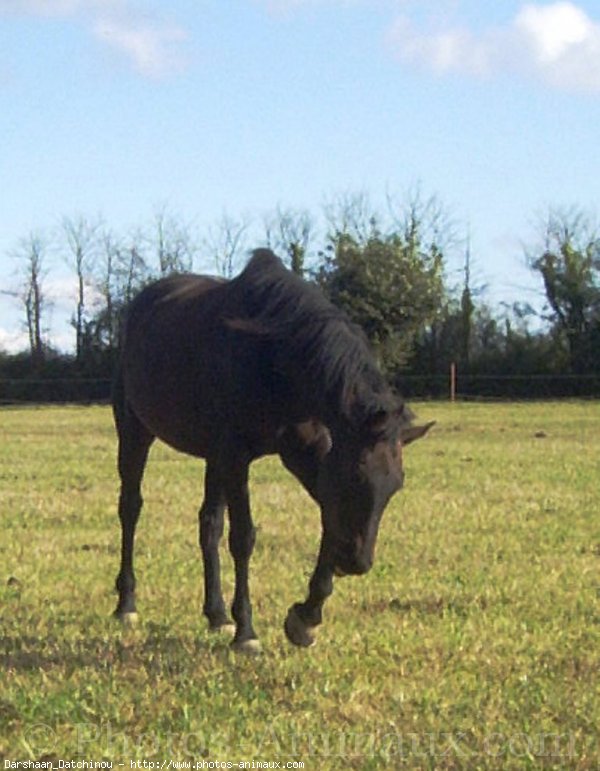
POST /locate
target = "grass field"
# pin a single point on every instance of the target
(473, 643)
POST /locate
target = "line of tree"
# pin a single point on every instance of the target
(388, 270)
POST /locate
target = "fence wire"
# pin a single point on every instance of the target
(468, 386)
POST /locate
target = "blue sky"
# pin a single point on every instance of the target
(115, 107)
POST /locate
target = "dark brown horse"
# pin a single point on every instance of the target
(231, 371)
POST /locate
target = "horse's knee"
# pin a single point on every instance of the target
(211, 529)
(241, 541)
(130, 505)
(125, 582)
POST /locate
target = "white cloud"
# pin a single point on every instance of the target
(40, 7)
(12, 341)
(149, 45)
(61, 290)
(284, 6)
(553, 30)
(558, 43)
(152, 50)
(456, 50)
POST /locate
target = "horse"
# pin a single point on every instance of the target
(230, 371)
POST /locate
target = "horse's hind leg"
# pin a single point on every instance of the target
(134, 444)
(242, 536)
(211, 531)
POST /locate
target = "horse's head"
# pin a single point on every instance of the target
(359, 473)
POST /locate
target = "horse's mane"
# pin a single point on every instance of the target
(312, 338)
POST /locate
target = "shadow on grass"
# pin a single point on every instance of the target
(460, 605)
(151, 648)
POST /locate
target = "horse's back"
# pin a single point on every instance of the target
(172, 292)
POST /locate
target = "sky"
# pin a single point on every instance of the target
(117, 107)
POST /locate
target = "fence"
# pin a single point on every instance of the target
(54, 390)
(463, 386)
(460, 386)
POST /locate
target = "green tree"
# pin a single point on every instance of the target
(390, 285)
(569, 266)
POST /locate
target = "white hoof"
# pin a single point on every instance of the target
(250, 647)
(224, 629)
(128, 619)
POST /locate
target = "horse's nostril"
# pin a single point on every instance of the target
(362, 566)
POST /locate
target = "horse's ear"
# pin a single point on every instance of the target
(315, 434)
(409, 434)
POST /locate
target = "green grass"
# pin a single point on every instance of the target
(473, 643)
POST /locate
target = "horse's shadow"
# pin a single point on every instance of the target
(154, 649)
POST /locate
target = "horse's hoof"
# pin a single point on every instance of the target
(250, 647)
(227, 628)
(297, 632)
(128, 619)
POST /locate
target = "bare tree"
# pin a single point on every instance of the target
(173, 243)
(351, 215)
(106, 281)
(424, 222)
(288, 232)
(227, 243)
(119, 272)
(81, 236)
(467, 307)
(31, 253)
(132, 268)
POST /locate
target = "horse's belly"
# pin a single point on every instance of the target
(198, 424)
(172, 414)
(179, 432)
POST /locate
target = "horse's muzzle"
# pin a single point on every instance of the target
(354, 566)
(351, 558)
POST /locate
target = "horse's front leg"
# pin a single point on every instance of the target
(242, 536)
(304, 617)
